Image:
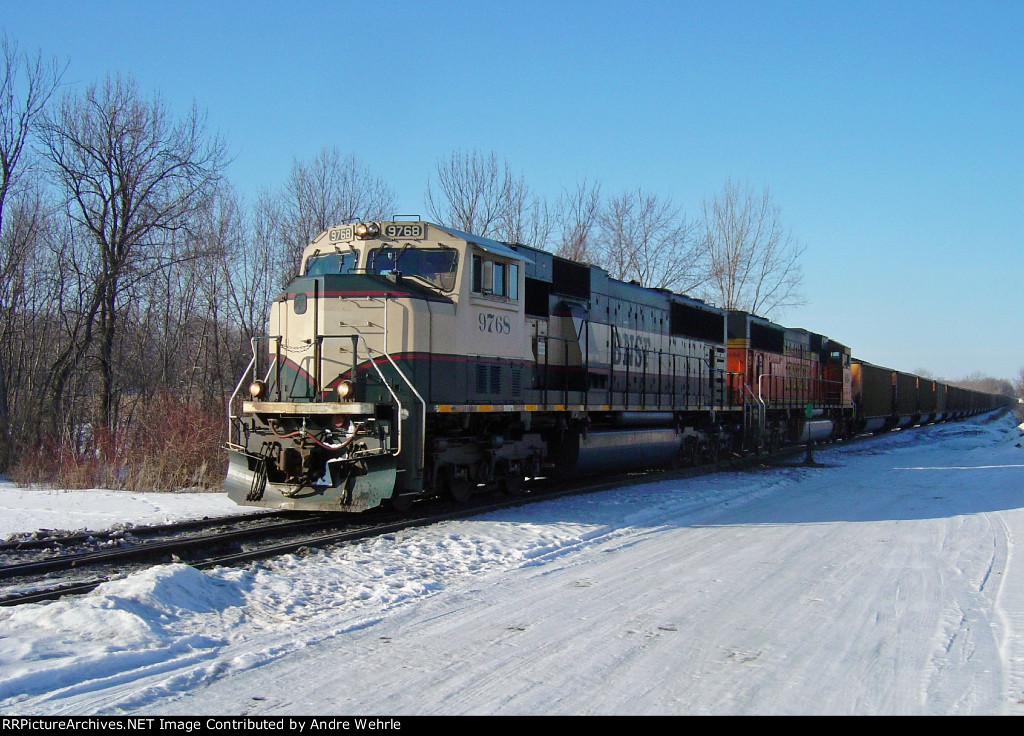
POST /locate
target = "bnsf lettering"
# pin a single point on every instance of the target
(632, 349)
(494, 323)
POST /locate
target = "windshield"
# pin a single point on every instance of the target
(321, 265)
(436, 266)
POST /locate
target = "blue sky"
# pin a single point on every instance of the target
(890, 133)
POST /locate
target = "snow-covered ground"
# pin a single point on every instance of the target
(886, 581)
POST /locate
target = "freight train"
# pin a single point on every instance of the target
(410, 359)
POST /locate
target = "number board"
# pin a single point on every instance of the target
(405, 230)
(340, 234)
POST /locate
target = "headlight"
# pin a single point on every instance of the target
(345, 389)
(257, 389)
(367, 230)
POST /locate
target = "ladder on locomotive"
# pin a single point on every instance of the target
(753, 420)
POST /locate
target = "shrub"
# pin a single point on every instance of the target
(169, 444)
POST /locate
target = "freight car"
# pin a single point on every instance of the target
(409, 359)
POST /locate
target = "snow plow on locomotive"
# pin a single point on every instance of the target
(410, 359)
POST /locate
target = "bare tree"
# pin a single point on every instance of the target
(645, 239)
(476, 194)
(578, 215)
(978, 381)
(64, 315)
(325, 191)
(26, 334)
(239, 290)
(26, 86)
(754, 262)
(268, 264)
(131, 176)
(529, 220)
(1018, 392)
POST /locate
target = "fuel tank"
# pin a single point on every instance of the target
(618, 450)
(815, 430)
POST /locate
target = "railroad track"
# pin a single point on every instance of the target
(217, 542)
(48, 538)
(211, 543)
(42, 569)
(239, 540)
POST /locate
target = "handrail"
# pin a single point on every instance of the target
(679, 365)
(757, 398)
(373, 356)
(232, 417)
(795, 390)
(231, 400)
(808, 383)
(761, 411)
(423, 403)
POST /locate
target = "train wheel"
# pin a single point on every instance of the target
(459, 490)
(513, 485)
(533, 467)
(399, 502)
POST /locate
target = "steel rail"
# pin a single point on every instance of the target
(542, 489)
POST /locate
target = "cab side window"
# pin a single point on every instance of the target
(495, 278)
(498, 280)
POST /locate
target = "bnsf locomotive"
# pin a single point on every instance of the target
(410, 359)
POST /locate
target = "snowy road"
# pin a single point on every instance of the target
(886, 581)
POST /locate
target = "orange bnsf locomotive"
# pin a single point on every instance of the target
(410, 359)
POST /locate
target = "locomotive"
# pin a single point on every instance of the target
(410, 359)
